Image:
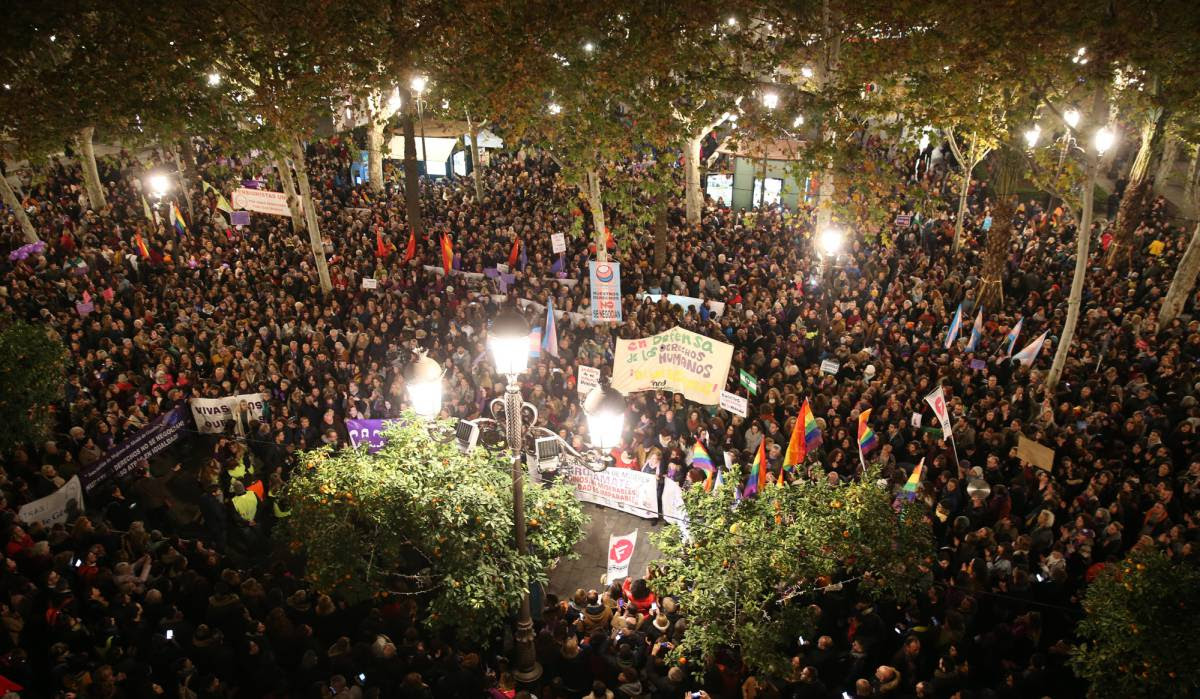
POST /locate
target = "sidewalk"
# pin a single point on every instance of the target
(587, 571)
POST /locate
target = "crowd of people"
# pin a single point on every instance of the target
(166, 584)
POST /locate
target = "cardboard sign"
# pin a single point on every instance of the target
(55, 507)
(369, 283)
(675, 360)
(588, 378)
(620, 555)
(1032, 452)
(239, 218)
(558, 242)
(916, 419)
(605, 281)
(828, 366)
(735, 404)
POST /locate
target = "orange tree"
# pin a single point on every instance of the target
(1139, 635)
(741, 569)
(419, 518)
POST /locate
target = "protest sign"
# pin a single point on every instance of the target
(828, 366)
(674, 360)
(589, 378)
(239, 218)
(735, 403)
(937, 401)
(1032, 452)
(369, 283)
(916, 420)
(748, 381)
(620, 554)
(558, 242)
(261, 200)
(606, 291)
(153, 439)
(55, 507)
(217, 415)
(627, 490)
(368, 432)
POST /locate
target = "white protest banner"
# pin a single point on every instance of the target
(56, 506)
(558, 242)
(620, 554)
(688, 302)
(674, 360)
(261, 200)
(606, 291)
(626, 490)
(828, 366)
(735, 403)
(369, 283)
(937, 401)
(217, 415)
(589, 378)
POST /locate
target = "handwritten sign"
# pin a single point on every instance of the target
(558, 242)
(735, 403)
(589, 378)
(829, 366)
(674, 360)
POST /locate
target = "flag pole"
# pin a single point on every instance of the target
(863, 461)
(954, 450)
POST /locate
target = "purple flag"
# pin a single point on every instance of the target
(368, 432)
(557, 268)
(239, 218)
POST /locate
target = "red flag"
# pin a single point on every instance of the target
(410, 250)
(609, 241)
(514, 252)
(380, 249)
(447, 254)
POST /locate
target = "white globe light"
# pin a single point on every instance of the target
(418, 83)
(770, 100)
(1032, 135)
(555, 108)
(1071, 116)
(1105, 138)
(159, 184)
(806, 72)
(831, 241)
(423, 381)
(214, 79)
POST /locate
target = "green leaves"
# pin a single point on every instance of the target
(1139, 635)
(747, 569)
(32, 366)
(422, 519)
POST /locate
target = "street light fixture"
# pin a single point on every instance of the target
(1071, 116)
(806, 72)
(159, 183)
(1032, 135)
(831, 241)
(423, 380)
(555, 108)
(418, 83)
(214, 79)
(508, 341)
(770, 100)
(1104, 139)
(605, 411)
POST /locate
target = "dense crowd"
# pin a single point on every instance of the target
(167, 584)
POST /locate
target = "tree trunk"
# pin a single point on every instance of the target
(185, 183)
(412, 176)
(1182, 284)
(660, 237)
(693, 192)
(1189, 188)
(1083, 240)
(1007, 174)
(596, 204)
(91, 174)
(375, 151)
(476, 165)
(1137, 191)
(12, 202)
(1162, 176)
(967, 162)
(310, 216)
(962, 210)
(289, 188)
(187, 163)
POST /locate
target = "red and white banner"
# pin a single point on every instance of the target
(261, 200)
(937, 401)
(620, 555)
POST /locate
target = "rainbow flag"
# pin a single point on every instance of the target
(812, 433)
(141, 246)
(866, 435)
(910, 488)
(701, 459)
(177, 220)
(758, 471)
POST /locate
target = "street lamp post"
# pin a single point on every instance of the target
(508, 341)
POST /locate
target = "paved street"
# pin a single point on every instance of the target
(587, 571)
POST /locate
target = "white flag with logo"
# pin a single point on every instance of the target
(937, 400)
(620, 554)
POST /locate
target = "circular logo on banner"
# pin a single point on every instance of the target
(604, 273)
(621, 550)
